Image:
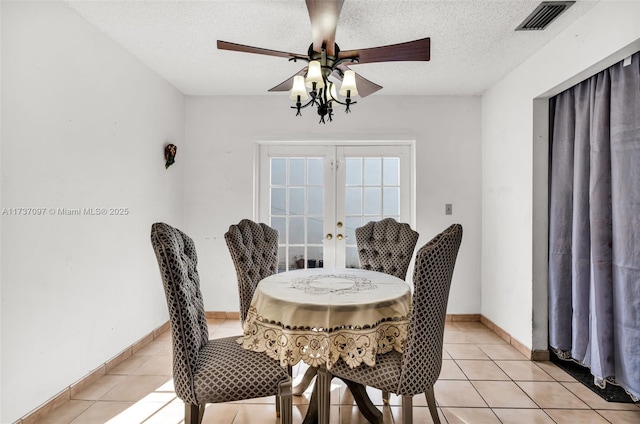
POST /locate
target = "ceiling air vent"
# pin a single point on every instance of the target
(545, 13)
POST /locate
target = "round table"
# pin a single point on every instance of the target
(319, 315)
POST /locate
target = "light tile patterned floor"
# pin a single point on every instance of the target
(483, 380)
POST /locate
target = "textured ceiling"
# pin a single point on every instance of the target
(473, 43)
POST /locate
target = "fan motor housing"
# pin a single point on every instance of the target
(327, 62)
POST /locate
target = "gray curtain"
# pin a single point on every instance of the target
(594, 225)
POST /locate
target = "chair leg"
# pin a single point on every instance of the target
(431, 401)
(407, 409)
(289, 371)
(284, 402)
(385, 397)
(323, 384)
(193, 413)
(299, 389)
(201, 413)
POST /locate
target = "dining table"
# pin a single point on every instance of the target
(323, 315)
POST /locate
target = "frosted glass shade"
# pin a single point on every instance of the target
(314, 74)
(332, 91)
(298, 89)
(349, 83)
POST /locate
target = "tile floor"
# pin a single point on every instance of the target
(483, 380)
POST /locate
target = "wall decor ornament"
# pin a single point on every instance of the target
(170, 155)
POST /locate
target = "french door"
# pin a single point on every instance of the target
(317, 195)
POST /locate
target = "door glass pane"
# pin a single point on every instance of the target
(314, 205)
(372, 171)
(278, 201)
(314, 226)
(296, 257)
(296, 171)
(391, 171)
(316, 172)
(351, 224)
(353, 203)
(372, 201)
(391, 201)
(354, 171)
(314, 257)
(280, 224)
(296, 201)
(296, 230)
(278, 171)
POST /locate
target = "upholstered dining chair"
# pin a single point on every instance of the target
(386, 246)
(216, 370)
(254, 251)
(416, 370)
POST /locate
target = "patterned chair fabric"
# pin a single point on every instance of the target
(386, 246)
(417, 369)
(208, 371)
(254, 251)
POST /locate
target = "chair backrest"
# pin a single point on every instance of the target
(422, 359)
(254, 251)
(177, 259)
(386, 246)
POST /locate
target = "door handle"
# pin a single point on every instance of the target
(339, 236)
(329, 236)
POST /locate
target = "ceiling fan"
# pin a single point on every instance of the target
(325, 60)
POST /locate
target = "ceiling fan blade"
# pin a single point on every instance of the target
(324, 16)
(286, 85)
(225, 45)
(365, 87)
(418, 50)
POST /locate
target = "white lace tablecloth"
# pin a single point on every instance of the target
(319, 315)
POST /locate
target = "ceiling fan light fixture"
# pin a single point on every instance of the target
(314, 74)
(348, 87)
(298, 91)
(315, 85)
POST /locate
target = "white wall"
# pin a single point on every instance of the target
(84, 126)
(514, 156)
(222, 133)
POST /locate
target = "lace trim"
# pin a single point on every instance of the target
(565, 355)
(317, 346)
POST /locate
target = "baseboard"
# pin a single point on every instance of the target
(534, 355)
(222, 315)
(540, 355)
(69, 392)
(462, 317)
